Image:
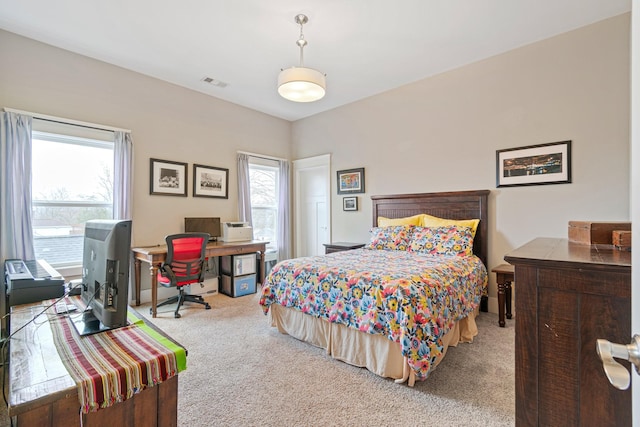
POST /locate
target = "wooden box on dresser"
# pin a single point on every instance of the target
(568, 295)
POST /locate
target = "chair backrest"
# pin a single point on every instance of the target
(185, 256)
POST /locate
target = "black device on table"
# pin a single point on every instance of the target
(31, 281)
(105, 276)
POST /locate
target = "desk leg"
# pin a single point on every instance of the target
(154, 287)
(508, 295)
(501, 289)
(262, 267)
(137, 280)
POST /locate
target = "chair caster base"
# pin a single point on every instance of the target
(177, 315)
(207, 306)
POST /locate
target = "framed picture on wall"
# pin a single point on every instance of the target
(349, 203)
(351, 181)
(209, 181)
(534, 165)
(168, 178)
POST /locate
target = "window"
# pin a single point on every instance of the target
(72, 182)
(264, 183)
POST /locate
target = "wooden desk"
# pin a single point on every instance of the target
(155, 256)
(504, 278)
(42, 393)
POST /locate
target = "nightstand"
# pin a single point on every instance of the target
(341, 246)
(504, 278)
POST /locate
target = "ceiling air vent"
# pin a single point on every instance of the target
(214, 82)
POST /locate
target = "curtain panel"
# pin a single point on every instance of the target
(284, 209)
(122, 175)
(16, 233)
(244, 189)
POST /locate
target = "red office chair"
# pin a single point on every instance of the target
(183, 266)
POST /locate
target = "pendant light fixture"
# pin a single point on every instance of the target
(301, 84)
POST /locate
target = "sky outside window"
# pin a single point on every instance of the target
(75, 170)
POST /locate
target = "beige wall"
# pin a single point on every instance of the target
(442, 133)
(167, 122)
(438, 134)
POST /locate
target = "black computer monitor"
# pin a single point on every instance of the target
(105, 276)
(209, 225)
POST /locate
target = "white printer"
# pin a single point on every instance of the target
(236, 231)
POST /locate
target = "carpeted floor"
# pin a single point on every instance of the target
(242, 372)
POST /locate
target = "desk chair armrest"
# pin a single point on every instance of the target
(166, 271)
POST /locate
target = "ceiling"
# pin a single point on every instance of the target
(364, 47)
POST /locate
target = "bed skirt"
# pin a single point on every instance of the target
(374, 352)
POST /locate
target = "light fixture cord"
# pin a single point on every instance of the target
(302, 43)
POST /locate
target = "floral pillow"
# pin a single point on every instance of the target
(390, 238)
(453, 240)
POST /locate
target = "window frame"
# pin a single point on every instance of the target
(272, 166)
(72, 268)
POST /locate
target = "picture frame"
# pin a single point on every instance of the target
(349, 203)
(534, 165)
(351, 181)
(167, 178)
(210, 181)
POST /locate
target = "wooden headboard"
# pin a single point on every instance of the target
(451, 205)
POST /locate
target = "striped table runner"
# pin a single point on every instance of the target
(112, 366)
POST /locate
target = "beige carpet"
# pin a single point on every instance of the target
(242, 372)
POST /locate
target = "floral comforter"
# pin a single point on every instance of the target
(413, 299)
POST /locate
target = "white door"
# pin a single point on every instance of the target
(635, 193)
(311, 185)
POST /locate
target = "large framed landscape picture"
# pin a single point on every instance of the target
(534, 165)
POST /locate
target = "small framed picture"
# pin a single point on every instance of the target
(349, 203)
(534, 165)
(351, 181)
(168, 178)
(209, 181)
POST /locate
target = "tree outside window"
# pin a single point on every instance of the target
(264, 202)
(72, 182)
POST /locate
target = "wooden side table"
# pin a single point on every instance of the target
(504, 278)
(341, 246)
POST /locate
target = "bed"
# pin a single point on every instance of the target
(393, 310)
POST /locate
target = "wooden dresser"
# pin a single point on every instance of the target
(568, 295)
(42, 392)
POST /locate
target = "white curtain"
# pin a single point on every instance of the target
(16, 233)
(284, 226)
(122, 175)
(244, 192)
